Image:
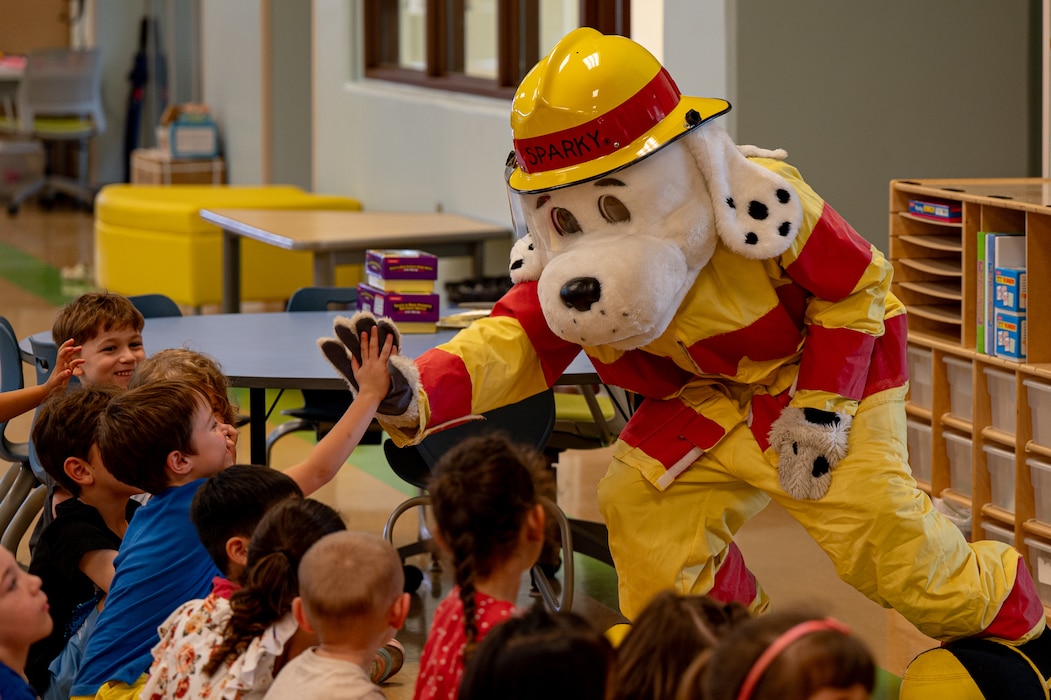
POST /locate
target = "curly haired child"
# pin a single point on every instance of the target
(666, 637)
(484, 495)
(783, 656)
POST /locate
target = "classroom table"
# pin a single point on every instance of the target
(260, 351)
(342, 237)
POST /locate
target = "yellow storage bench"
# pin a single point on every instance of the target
(151, 239)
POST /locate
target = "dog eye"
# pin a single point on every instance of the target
(612, 209)
(564, 221)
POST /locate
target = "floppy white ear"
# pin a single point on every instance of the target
(525, 265)
(757, 213)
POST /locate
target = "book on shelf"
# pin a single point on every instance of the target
(949, 212)
(979, 306)
(1001, 250)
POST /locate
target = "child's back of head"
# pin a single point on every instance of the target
(232, 503)
(191, 366)
(540, 654)
(271, 579)
(666, 638)
(349, 578)
(482, 492)
(783, 656)
(140, 429)
(65, 427)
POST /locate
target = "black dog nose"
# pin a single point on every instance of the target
(581, 292)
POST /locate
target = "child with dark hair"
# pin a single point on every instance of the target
(538, 654)
(234, 649)
(783, 656)
(164, 438)
(667, 636)
(75, 553)
(484, 495)
(351, 596)
(23, 620)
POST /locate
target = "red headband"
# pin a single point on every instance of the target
(604, 134)
(780, 644)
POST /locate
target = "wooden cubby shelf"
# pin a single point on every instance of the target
(935, 275)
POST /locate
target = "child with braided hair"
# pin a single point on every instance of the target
(234, 650)
(488, 516)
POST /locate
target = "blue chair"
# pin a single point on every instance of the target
(20, 496)
(155, 305)
(321, 408)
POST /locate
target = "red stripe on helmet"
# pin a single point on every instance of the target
(602, 135)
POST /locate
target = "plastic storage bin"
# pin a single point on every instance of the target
(1040, 564)
(1039, 397)
(961, 387)
(920, 391)
(919, 436)
(1040, 474)
(1001, 464)
(1002, 397)
(958, 448)
(999, 533)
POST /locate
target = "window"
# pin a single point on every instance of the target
(484, 47)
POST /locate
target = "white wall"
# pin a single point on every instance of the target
(232, 43)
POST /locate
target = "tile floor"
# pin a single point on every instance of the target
(35, 245)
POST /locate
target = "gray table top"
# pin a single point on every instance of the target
(279, 350)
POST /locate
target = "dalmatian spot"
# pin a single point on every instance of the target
(751, 238)
(821, 467)
(730, 201)
(758, 210)
(785, 228)
(783, 196)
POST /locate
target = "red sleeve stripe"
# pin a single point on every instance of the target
(836, 360)
(523, 304)
(833, 258)
(447, 383)
(889, 367)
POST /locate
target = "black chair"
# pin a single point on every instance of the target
(530, 422)
(20, 496)
(321, 408)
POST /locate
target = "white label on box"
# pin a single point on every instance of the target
(1043, 570)
(194, 139)
(377, 305)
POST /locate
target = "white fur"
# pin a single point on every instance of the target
(798, 442)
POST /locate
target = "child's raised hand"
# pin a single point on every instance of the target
(372, 374)
(65, 366)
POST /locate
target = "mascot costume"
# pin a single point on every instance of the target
(757, 325)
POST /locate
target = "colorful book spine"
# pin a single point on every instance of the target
(1000, 249)
(979, 338)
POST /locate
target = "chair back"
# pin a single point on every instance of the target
(62, 82)
(155, 305)
(530, 422)
(10, 380)
(323, 299)
(45, 356)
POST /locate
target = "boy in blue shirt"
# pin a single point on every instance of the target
(164, 438)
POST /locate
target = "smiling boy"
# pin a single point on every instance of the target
(108, 328)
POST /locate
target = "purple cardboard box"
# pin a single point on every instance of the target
(401, 265)
(405, 309)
